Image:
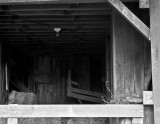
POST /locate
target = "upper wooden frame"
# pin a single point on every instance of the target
(58, 1)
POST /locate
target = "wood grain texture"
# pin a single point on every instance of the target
(138, 63)
(27, 111)
(12, 121)
(128, 58)
(148, 115)
(118, 56)
(137, 121)
(155, 48)
(56, 1)
(1, 77)
(131, 50)
(131, 18)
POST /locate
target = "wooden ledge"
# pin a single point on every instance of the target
(99, 110)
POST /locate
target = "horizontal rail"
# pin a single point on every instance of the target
(109, 110)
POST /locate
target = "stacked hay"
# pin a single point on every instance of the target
(21, 98)
(30, 98)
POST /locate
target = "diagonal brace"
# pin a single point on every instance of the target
(131, 18)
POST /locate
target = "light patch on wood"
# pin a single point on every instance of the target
(137, 121)
(143, 3)
(12, 121)
(147, 98)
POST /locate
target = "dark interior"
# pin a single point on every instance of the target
(44, 42)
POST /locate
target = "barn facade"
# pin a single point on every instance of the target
(81, 58)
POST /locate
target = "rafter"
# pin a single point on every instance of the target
(131, 18)
(57, 1)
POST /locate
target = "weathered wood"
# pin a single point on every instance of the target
(147, 66)
(12, 121)
(85, 98)
(82, 94)
(118, 56)
(137, 121)
(126, 121)
(155, 48)
(20, 86)
(27, 111)
(138, 63)
(128, 52)
(133, 19)
(85, 92)
(143, 3)
(129, 60)
(2, 85)
(56, 1)
(147, 97)
(148, 115)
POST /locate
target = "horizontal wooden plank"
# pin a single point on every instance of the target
(85, 98)
(147, 97)
(85, 92)
(131, 18)
(61, 12)
(67, 43)
(47, 7)
(81, 30)
(23, 33)
(55, 1)
(27, 111)
(45, 26)
(57, 22)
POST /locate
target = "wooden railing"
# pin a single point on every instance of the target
(135, 111)
(13, 112)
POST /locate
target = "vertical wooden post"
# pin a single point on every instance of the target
(155, 48)
(137, 121)
(12, 121)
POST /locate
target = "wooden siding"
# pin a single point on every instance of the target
(131, 62)
(52, 88)
(131, 59)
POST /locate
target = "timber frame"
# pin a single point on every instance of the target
(12, 112)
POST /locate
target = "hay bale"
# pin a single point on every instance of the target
(30, 98)
(21, 98)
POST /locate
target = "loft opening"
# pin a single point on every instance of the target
(60, 52)
(64, 52)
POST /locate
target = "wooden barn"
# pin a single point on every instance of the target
(80, 58)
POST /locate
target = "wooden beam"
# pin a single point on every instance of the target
(85, 92)
(84, 97)
(155, 48)
(62, 13)
(63, 26)
(131, 18)
(114, 110)
(56, 1)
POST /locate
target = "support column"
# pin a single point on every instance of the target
(155, 48)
